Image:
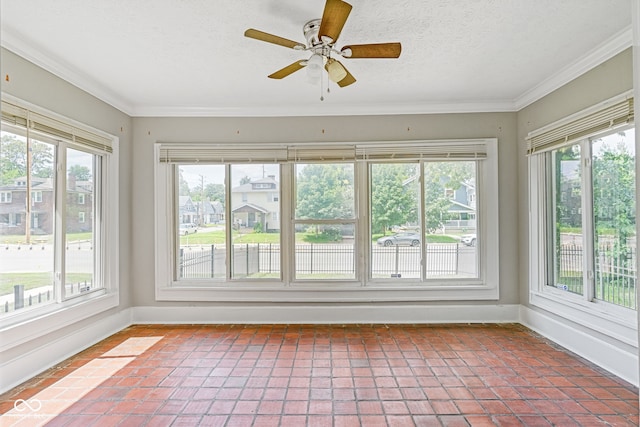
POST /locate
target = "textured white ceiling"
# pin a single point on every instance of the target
(189, 57)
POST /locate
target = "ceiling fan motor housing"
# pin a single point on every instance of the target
(310, 30)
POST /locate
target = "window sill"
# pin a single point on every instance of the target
(40, 323)
(326, 293)
(618, 324)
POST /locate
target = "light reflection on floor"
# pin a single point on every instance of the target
(52, 401)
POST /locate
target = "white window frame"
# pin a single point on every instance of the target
(29, 323)
(486, 287)
(36, 196)
(81, 198)
(607, 318)
(5, 197)
(81, 217)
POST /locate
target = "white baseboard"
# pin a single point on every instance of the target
(617, 357)
(49, 353)
(326, 314)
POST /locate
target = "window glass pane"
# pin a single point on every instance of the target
(324, 191)
(255, 210)
(325, 251)
(614, 211)
(567, 222)
(27, 266)
(200, 222)
(395, 227)
(80, 224)
(450, 217)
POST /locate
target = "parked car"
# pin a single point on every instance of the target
(411, 239)
(469, 239)
(188, 227)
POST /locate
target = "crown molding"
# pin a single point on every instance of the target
(22, 48)
(603, 52)
(489, 106)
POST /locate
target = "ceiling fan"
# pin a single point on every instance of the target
(321, 36)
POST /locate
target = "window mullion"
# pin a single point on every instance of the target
(229, 221)
(423, 222)
(287, 233)
(60, 238)
(587, 221)
(362, 240)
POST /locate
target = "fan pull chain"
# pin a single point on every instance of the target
(321, 89)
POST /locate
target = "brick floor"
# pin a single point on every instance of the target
(323, 375)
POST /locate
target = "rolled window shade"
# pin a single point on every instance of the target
(440, 150)
(14, 115)
(215, 154)
(336, 153)
(609, 115)
(51, 127)
(265, 153)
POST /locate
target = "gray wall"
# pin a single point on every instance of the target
(320, 129)
(137, 136)
(611, 78)
(37, 86)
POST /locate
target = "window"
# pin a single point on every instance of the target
(255, 237)
(324, 221)
(76, 262)
(5, 197)
(584, 215)
(36, 196)
(372, 220)
(81, 199)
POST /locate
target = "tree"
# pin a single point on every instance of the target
(325, 191)
(183, 184)
(13, 159)
(438, 177)
(393, 195)
(214, 192)
(81, 173)
(245, 180)
(568, 194)
(614, 203)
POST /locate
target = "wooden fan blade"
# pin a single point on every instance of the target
(270, 38)
(289, 69)
(349, 79)
(374, 50)
(334, 16)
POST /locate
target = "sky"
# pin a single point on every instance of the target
(214, 174)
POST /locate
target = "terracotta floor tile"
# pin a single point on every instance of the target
(325, 375)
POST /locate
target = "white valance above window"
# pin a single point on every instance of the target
(38, 123)
(613, 113)
(207, 153)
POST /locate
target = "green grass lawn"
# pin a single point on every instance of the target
(431, 238)
(43, 238)
(35, 280)
(218, 237)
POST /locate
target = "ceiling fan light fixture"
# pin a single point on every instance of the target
(336, 71)
(314, 66)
